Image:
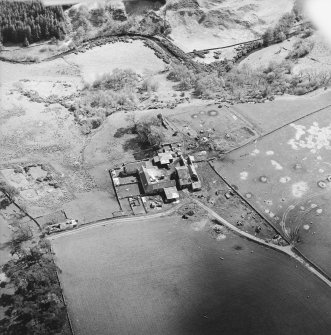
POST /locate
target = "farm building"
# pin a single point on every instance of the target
(184, 179)
(171, 194)
(164, 159)
(132, 168)
(154, 181)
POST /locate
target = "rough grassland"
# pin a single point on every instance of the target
(165, 276)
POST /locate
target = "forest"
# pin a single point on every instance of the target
(30, 21)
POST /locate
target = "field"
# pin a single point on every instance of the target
(284, 175)
(274, 114)
(215, 194)
(168, 276)
(132, 55)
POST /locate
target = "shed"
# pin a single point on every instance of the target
(184, 178)
(171, 193)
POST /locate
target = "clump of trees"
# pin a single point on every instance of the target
(149, 132)
(301, 49)
(36, 305)
(280, 31)
(245, 83)
(30, 21)
(109, 93)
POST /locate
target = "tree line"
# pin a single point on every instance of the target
(30, 21)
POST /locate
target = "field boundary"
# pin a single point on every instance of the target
(273, 130)
(62, 294)
(288, 250)
(279, 231)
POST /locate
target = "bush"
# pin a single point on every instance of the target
(149, 85)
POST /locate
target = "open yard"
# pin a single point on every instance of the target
(169, 276)
(285, 175)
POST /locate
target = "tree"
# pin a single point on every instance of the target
(268, 36)
(26, 42)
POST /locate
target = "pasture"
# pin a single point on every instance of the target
(170, 276)
(274, 114)
(134, 55)
(285, 176)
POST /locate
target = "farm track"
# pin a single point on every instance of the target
(288, 250)
(105, 221)
(174, 51)
(163, 42)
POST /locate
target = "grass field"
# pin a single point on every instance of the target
(168, 276)
(268, 116)
(279, 174)
(120, 55)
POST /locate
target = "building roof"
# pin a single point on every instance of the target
(132, 168)
(153, 179)
(165, 157)
(196, 185)
(171, 193)
(183, 175)
(193, 171)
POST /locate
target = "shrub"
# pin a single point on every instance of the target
(149, 85)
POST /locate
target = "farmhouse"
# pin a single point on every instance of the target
(153, 180)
